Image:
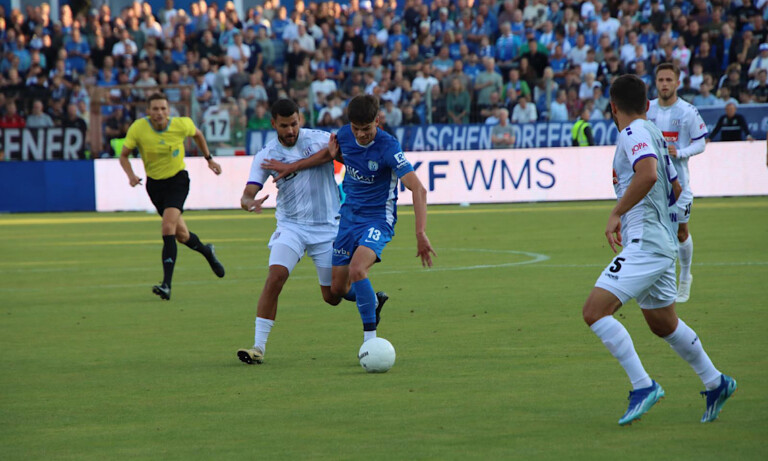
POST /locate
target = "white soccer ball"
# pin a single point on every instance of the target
(376, 355)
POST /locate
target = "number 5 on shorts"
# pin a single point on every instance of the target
(616, 265)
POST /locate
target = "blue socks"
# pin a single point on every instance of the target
(351, 295)
(366, 303)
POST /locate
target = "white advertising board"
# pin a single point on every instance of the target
(490, 176)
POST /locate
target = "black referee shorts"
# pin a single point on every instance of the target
(169, 193)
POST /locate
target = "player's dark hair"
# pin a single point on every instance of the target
(284, 108)
(667, 66)
(363, 109)
(628, 92)
(157, 96)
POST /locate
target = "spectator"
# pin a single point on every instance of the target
(298, 88)
(125, 46)
(524, 112)
(73, 120)
(760, 91)
(260, 119)
(458, 103)
(760, 62)
(724, 97)
(438, 110)
(410, 117)
(11, 118)
(332, 114)
(424, 80)
(382, 119)
(503, 134)
(393, 114)
(558, 111)
(601, 102)
(587, 87)
(578, 53)
(705, 98)
(322, 86)
(488, 81)
(38, 118)
(733, 125)
(238, 50)
(581, 133)
(687, 92)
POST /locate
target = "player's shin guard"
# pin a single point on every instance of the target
(685, 253)
(616, 338)
(688, 346)
(366, 303)
(169, 258)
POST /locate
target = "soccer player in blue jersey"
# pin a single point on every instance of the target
(374, 162)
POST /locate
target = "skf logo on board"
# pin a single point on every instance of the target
(639, 146)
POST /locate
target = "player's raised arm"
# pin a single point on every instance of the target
(424, 248)
(284, 169)
(203, 146)
(249, 202)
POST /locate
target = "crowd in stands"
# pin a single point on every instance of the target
(438, 61)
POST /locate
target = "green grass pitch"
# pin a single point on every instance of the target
(493, 358)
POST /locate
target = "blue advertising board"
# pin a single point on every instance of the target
(418, 138)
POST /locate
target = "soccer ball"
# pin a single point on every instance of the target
(376, 355)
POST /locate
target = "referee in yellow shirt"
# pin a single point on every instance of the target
(160, 140)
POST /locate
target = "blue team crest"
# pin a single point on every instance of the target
(373, 166)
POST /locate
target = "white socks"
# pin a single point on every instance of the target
(263, 327)
(685, 253)
(616, 338)
(368, 335)
(688, 346)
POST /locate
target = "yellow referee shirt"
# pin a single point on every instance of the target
(161, 151)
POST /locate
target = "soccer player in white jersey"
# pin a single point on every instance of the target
(685, 133)
(307, 213)
(645, 269)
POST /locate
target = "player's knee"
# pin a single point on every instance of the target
(357, 273)
(331, 298)
(591, 314)
(337, 291)
(277, 279)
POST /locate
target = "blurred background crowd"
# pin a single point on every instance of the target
(429, 61)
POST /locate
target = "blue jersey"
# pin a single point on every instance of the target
(370, 180)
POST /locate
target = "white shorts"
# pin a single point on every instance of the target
(683, 210)
(647, 277)
(289, 243)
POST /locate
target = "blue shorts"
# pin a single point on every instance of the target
(373, 234)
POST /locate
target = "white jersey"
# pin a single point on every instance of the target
(307, 197)
(648, 222)
(680, 124)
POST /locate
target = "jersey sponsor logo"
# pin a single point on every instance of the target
(357, 175)
(670, 136)
(702, 125)
(340, 252)
(373, 166)
(639, 146)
